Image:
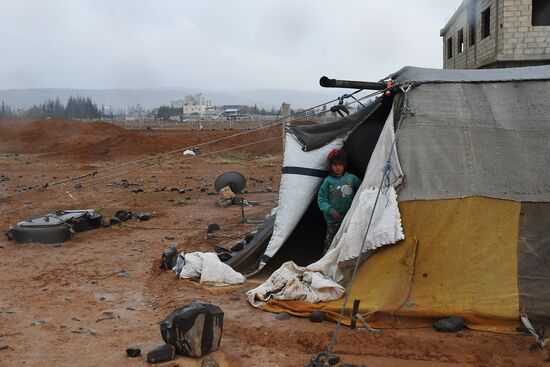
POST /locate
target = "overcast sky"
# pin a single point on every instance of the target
(214, 44)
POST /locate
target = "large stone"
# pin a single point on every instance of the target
(194, 330)
(450, 324)
(162, 353)
(317, 316)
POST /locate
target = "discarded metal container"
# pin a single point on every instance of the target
(194, 330)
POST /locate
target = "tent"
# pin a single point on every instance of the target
(471, 176)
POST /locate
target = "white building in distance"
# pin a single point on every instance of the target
(192, 105)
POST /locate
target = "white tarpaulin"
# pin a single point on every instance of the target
(318, 282)
(208, 269)
(297, 191)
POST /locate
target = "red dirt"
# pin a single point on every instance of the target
(87, 141)
(47, 293)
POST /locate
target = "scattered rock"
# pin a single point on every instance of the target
(37, 322)
(107, 315)
(123, 215)
(57, 245)
(249, 236)
(317, 316)
(84, 330)
(75, 319)
(162, 353)
(212, 227)
(220, 249)
(133, 352)
(123, 273)
(4, 346)
(168, 237)
(282, 316)
(144, 216)
(139, 189)
(459, 335)
(203, 189)
(238, 246)
(224, 256)
(450, 324)
(114, 221)
(209, 361)
(267, 189)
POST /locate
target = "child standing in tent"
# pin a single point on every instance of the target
(336, 194)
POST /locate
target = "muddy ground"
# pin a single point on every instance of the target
(83, 302)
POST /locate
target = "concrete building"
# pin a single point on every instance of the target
(192, 105)
(497, 34)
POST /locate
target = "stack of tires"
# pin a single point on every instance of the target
(55, 227)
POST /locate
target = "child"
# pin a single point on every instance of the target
(336, 194)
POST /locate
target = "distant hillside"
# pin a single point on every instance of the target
(149, 98)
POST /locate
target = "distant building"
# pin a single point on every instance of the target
(497, 34)
(192, 105)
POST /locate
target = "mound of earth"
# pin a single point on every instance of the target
(101, 140)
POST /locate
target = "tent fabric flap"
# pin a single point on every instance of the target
(424, 277)
(315, 136)
(296, 190)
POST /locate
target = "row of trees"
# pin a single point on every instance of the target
(76, 108)
(6, 111)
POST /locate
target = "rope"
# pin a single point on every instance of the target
(386, 169)
(278, 121)
(100, 180)
(93, 174)
(271, 124)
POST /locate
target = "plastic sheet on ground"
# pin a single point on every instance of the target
(208, 269)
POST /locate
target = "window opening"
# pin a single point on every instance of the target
(486, 23)
(450, 48)
(460, 41)
(541, 13)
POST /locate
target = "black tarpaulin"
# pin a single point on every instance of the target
(312, 137)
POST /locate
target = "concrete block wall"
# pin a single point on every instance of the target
(512, 40)
(521, 40)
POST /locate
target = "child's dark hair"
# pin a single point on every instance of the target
(337, 156)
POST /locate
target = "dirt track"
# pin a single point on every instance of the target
(84, 302)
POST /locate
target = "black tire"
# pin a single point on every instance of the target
(87, 222)
(46, 234)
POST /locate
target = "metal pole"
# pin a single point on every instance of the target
(350, 84)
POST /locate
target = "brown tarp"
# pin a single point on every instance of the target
(459, 258)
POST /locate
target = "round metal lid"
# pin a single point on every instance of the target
(234, 180)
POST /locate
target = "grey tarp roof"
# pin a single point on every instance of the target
(426, 75)
(312, 137)
(486, 139)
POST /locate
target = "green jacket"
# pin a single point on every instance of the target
(336, 194)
